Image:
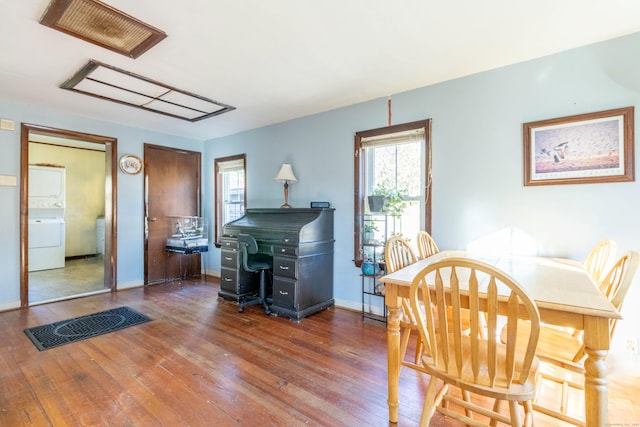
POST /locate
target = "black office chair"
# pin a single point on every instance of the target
(254, 262)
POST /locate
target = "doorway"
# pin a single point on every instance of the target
(172, 188)
(67, 242)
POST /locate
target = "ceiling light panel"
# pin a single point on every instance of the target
(113, 84)
(103, 25)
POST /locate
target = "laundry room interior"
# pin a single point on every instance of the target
(67, 213)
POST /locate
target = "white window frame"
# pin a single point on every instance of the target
(224, 167)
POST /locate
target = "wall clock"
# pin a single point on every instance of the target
(130, 164)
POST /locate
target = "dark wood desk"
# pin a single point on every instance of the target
(301, 243)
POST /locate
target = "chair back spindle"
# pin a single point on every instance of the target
(426, 245)
(599, 258)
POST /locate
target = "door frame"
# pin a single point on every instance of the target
(111, 180)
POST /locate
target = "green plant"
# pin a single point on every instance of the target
(396, 203)
(369, 227)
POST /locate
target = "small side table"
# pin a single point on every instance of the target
(182, 251)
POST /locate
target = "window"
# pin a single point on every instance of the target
(394, 161)
(230, 193)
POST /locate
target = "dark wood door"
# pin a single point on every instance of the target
(172, 188)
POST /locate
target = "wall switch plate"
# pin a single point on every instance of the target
(631, 345)
(8, 180)
(6, 124)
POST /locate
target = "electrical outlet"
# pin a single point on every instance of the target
(631, 345)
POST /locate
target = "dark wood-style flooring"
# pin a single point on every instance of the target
(201, 363)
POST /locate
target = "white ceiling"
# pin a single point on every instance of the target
(277, 60)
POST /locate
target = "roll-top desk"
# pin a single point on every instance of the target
(301, 243)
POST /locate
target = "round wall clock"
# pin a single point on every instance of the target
(130, 164)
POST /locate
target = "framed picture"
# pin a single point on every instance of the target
(130, 164)
(581, 149)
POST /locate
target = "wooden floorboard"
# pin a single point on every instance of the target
(201, 363)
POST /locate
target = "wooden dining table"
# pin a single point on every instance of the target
(565, 295)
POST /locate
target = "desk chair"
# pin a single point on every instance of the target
(253, 262)
(482, 366)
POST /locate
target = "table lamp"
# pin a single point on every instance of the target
(286, 174)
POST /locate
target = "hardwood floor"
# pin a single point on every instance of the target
(201, 363)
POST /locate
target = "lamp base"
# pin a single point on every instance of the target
(286, 205)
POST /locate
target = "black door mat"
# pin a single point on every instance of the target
(80, 328)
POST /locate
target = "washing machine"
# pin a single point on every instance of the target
(46, 243)
(47, 192)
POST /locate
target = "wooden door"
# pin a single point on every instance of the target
(172, 188)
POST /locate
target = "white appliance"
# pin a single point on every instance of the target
(100, 235)
(46, 243)
(47, 192)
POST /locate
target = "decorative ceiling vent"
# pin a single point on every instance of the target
(113, 84)
(103, 25)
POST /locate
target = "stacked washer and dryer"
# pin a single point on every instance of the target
(46, 243)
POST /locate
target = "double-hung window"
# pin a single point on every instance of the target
(230, 190)
(393, 162)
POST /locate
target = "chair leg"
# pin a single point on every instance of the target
(429, 407)
(515, 414)
(263, 292)
(404, 341)
(565, 397)
(496, 409)
(528, 413)
(419, 349)
(260, 299)
(466, 396)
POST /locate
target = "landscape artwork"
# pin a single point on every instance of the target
(577, 150)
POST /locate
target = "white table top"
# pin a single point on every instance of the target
(553, 283)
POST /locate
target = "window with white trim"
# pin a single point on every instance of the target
(230, 190)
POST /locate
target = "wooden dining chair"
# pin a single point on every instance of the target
(398, 254)
(426, 245)
(476, 365)
(563, 350)
(599, 258)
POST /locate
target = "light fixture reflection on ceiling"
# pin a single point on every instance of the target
(113, 84)
(103, 25)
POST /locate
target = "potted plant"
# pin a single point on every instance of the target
(376, 202)
(368, 232)
(385, 198)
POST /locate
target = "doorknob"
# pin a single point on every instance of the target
(152, 219)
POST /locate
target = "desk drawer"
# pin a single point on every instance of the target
(229, 279)
(229, 258)
(285, 267)
(284, 293)
(230, 244)
(285, 250)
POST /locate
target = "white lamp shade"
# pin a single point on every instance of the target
(286, 174)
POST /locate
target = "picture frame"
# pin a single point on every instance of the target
(130, 164)
(585, 148)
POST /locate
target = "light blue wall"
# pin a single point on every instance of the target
(478, 160)
(130, 268)
(477, 172)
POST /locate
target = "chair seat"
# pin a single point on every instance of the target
(500, 389)
(555, 345)
(260, 262)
